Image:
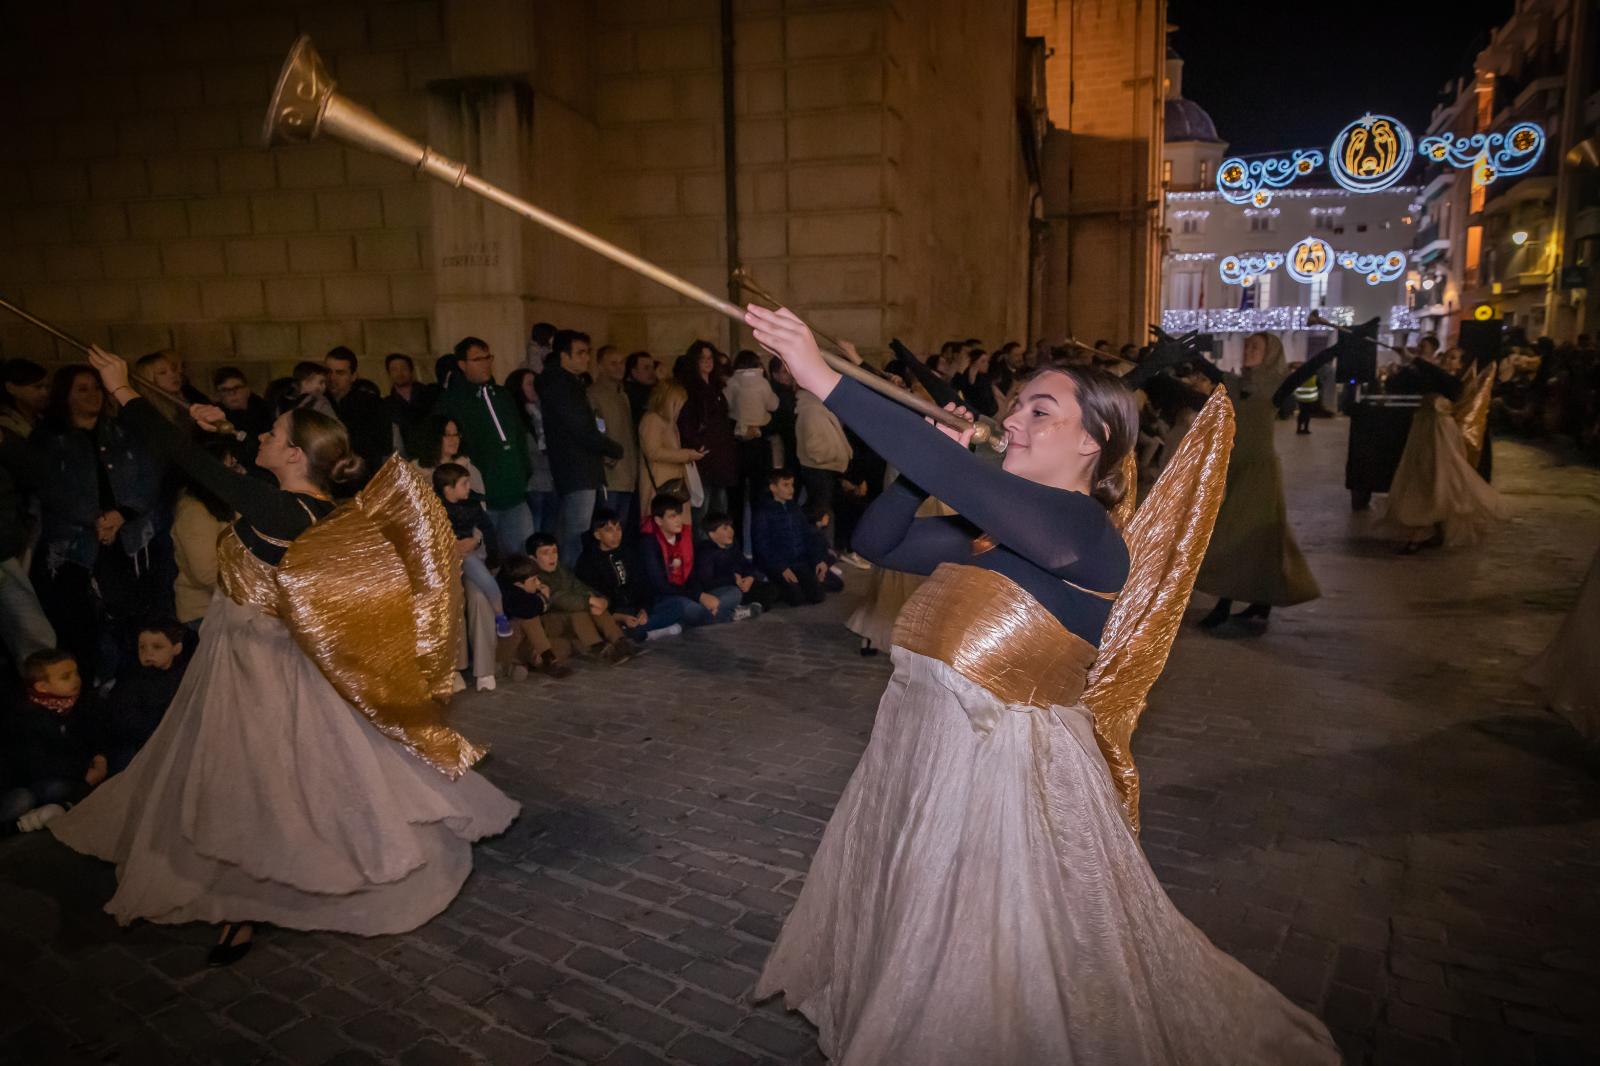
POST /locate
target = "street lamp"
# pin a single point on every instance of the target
(1519, 238)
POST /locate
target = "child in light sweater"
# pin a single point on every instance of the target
(751, 400)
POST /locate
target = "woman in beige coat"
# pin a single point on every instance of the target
(662, 457)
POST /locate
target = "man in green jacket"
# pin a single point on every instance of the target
(494, 436)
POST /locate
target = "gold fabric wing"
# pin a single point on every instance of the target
(1167, 540)
(1472, 413)
(372, 595)
(1122, 513)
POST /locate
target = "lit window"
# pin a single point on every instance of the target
(1319, 289)
(1264, 291)
(1166, 172)
(1260, 223)
(1205, 171)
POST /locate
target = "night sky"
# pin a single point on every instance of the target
(1291, 75)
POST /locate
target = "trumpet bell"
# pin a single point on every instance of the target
(300, 98)
(305, 106)
(1315, 319)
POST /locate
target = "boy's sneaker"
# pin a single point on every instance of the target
(457, 682)
(755, 610)
(852, 559)
(742, 614)
(502, 626)
(486, 683)
(519, 672)
(665, 631)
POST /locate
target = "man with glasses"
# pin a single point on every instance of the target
(494, 437)
(249, 413)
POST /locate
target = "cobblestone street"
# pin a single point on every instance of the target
(1365, 804)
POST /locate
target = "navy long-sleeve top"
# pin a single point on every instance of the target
(1058, 545)
(269, 517)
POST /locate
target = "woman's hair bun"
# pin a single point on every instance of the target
(346, 470)
(1110, 489)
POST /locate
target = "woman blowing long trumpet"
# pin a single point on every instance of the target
(303, 775)
(979, 895)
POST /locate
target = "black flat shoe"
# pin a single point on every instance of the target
(228, 950)
(867, 650)
(1218, 615)
(1256, 611)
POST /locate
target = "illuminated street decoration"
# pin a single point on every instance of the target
(1177, 320)
(1309, 259)
(1379, 267)
(1402, 319)
(1490, 155)
(1244, 269)
(1370, 154)
(1483, 312)
(1252, 182)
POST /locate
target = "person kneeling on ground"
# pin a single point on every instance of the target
(141, 696)
(576, 610)
(609, 567)
(781, 537)
(527, 599)
(718, 563)
(50, 741)
(666, 547)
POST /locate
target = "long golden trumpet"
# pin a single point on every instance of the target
(139, 381)
(305, 106)
(1315, 319)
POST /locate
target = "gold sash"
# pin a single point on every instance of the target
(372, 595)
(989, 630)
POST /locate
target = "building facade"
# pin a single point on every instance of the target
(1098, 222)
(1523, 248)
(878, 164)
(1230, 270)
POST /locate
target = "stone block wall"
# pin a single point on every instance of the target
(877, 164)
(877, 168)
(1101, 244)
(138, 209)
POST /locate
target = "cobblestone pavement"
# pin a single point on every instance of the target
(1365, 804)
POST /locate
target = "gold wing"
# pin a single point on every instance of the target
(1472, 413)
(1122, 513)
(1167, 540)
(372, 595)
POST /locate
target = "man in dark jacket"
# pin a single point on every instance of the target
(577, 442)
(781, 537)
(494, 437)
(360, 408)
(409, 401)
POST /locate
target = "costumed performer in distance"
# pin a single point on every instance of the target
(979, 895)
(1253, 554)
(1437, 497)
(303, 775)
